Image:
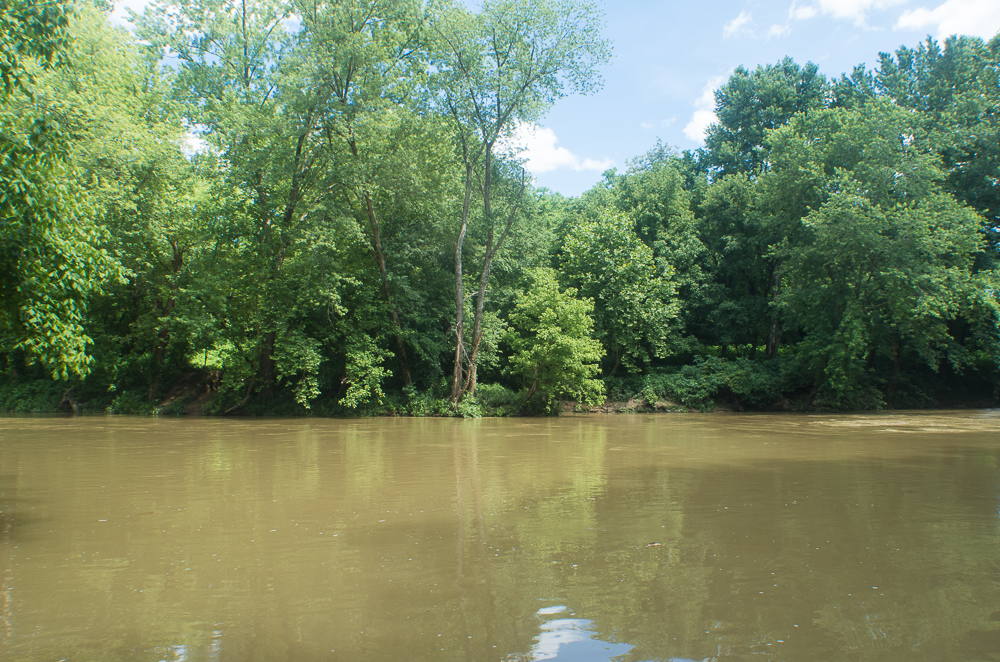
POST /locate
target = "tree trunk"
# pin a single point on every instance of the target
(265, 371)
(774, 336)
(457, 381)
(404, 364)
(162, 342)
(618, 362)
(773, 340)
(484, 276)
(890, 394)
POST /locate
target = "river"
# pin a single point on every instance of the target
(581, 538)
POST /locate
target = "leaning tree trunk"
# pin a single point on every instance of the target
(484, 277)
(457, 372)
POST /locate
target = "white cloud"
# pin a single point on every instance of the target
(853, 10)
(801, 13)
(979, 18)
(704, 114)
(662, 124)
(537, 146)
(558, 633)
(119, 16)
(778, 31)
(736, 25)
(697, 128)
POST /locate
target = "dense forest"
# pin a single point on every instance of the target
(292, 206)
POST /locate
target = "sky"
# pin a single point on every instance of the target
(670, 56)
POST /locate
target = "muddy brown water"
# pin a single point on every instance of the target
(627, 538)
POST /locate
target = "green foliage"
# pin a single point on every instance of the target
(635, 307)
(739, 238)
(833, 245)
(50, 262)
(710, 382)
(497, 400)
(652, 195)
(32, 397)
(752, 103)
(885, 261)
(131, 403)
(514, 58)
(298, 359)
(430, 402)
(365, 372)
(32, 31)
(489, 400)
(554, 354)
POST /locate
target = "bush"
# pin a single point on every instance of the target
(41, 396)
(497, 400)
(130, 402)
(432, 402)
(555, 355)
(742, 383)
(489, 400)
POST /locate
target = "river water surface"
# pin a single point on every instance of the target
(591, 538)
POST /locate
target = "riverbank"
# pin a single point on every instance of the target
(200, 393)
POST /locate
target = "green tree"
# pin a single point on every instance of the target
(51, 265)
(882, 266)
(32, 32)
(635, 306)
(126, 136)
(389, 164)
(741, 265)
(495, 69)
(555, 355)
(652, 194)
(957, 89)
(253, 88)
(954, 86)
(753, 102)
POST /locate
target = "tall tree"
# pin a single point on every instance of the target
(373, 58)
(635, 306)
(495, 69)
(883, 262)
(51, 265)
(753, 102)
(240, 83)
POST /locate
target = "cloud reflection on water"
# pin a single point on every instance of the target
(572, 640)
(575, 640)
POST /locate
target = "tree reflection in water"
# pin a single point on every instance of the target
(675, 539)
